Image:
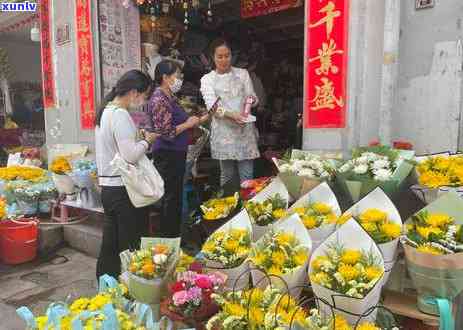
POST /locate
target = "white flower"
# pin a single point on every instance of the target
(371, 156)
(306, 172)
(381, 163)
(382, 174)
(324, 174)
(285, 168)
(159, 259)
(361, 169)
(346, 167)
(362, 160)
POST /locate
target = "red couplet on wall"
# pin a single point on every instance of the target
(48, 82)
(85, 61)
(325, 76)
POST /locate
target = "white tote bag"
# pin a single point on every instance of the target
(142, 180)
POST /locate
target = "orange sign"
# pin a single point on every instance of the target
(85, 64)
(327, 25)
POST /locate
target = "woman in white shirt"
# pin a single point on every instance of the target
(233, 139)
(116, 132)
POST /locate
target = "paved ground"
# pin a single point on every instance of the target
(67, 274)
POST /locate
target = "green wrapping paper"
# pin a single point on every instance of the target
(358, 186)
(437, 276)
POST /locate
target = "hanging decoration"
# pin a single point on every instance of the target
(252, 8)
(46, 56)
(85, 61)
(325, 76)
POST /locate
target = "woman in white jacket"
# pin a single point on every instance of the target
(116, 132)
(233, 139)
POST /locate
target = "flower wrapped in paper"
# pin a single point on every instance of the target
(438, 174)
(379, 217)
(434, 253)
(284, 251)
(84, 175)
(250, 188)
(303, 171)
(267, 207)
(319, 211)
(372, 167)
(61, 167)
(219, 208)
(102, 311)
(149, 268)
(228, 248)
(346, 272)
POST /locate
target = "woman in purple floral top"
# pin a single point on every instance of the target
(169, 150)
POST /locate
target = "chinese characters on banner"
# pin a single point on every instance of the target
(253, 8)
(46, 56)
(326, 63)
(85, 61)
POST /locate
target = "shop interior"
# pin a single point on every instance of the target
(270, 47)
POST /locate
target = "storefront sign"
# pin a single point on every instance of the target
(48, 82)
(326, 63)
(253, 8)
(85, 60)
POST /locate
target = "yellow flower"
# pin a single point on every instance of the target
(321, 208)
(410, 227)
(309, 221)
(331, 218)
(391, 230)
(235, 309)
(373, 215)
(367, 326)
(275, 270)
(426, 231)
(370, 227)
(256, 316)
(60, 165)
(238, 233)
(320, 278)
(427, 248)
(341, 323)
(438, 220)
(301, 257)
(259, 259)
(279, 213)
(351, 257)
(2, 208)
(285, 238)
(278, 258)
(300, 211)
(373, 272)
(231, 245)
(348, 272)
(318, 262)
(209, 246)
(344, 218)
(256, 295)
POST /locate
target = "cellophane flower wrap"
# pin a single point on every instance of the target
(61, 168)
(268, 207)
(219, 208)
(250, 188)
(372, 167)
(379, 217)
(284, 251)
(106, 310)
(303, 171)
(149, 268)
(434, 252)
(228, 248)
(190, 300)
(346, 272)
(438, 174)
(319, 211)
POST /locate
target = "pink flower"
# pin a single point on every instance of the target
(217, 279)
(203, 281)
(194, 293)
(180, 298)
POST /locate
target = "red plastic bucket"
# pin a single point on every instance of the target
(18, 241)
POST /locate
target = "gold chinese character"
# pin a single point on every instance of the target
(331, 14)
(325, 55)
(82, 3)
(85, 68)
(82, 23)
(84, 45)
(324, 96)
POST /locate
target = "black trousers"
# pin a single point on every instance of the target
(171, 166)
(124, 225)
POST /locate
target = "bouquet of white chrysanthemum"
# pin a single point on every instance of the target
(372, 167)
(302, 171)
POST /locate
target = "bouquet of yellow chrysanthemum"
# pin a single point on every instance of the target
(102, 311)
(434, 252)
(228, 248)
(61, 165)
(3, 212)
(219, 208)
(346, 271)
(381, 220)
(32, 174)
(438, 174)
(319, 211)
(284, 251)
(149, 268)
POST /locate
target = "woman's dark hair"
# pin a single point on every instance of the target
(165, 67)
(131, 80)
(216, 44)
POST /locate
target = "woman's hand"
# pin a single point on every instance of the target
(193, 121)
(204, 118)
(236, 117)
(151, 137)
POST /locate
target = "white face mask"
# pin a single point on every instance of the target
(176, 86)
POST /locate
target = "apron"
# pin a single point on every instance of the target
(230, 141)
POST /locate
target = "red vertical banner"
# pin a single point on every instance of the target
(325, 76)
(85, 64)
(48, 83)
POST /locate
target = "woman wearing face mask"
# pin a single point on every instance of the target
(116, 132)
(169, 151)
(233, 140)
